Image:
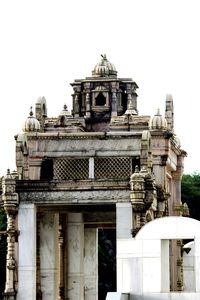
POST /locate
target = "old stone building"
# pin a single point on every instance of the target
(102, 165)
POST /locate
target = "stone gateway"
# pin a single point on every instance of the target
(102, 165)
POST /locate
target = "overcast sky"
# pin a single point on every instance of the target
(45, 45)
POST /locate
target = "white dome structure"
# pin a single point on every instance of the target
(158, 122)
(31, 123)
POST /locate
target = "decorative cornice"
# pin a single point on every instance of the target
(75, 197)
(71, 185)
(83, 136)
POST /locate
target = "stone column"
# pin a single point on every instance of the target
(88, 107)
(91, 167)
(61, 256)
(124, 222)
(27, 252)
(177, 262)
(10, 257)
(75, 249)
(48, 256)
(38, 275)
(10, 203)
(87, 97)
(91, 264)
(130, 105)
(114, 99)
(76, 105)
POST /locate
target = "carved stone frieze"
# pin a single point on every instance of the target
(69, 197)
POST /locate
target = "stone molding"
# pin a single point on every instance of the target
(72, 197)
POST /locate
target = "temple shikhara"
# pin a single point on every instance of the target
(100, 166)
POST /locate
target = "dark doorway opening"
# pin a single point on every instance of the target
(106, 262)
(100, 100)
(47, 169)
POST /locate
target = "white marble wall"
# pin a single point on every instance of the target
(124, 222)
(188, 267)
(91, 264)
(148, 255)
(49, 256)
(197, 264)
(139, 266)
(75, 249)
(27, 252)
(117, 296)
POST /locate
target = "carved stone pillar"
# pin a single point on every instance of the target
(87, 102)
(176, 180)
(145, 154)
(179, 266)
(88, 108)
(10, 204)
(137, 196)
(27, 251)
(177, 280)
(49, 255)
(114, 99)
(90, 264)
(131, 110)
(61, 257)
(38, 275)
(142, 196)
(76, 105)
(10, 257)
(114, 103)
(75, 250)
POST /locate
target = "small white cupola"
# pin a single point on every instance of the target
(31, 124)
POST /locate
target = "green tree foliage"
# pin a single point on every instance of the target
(2, 252)
(190, 193)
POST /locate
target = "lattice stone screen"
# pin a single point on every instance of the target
(104, 168)
(112, 167)
(64, 169)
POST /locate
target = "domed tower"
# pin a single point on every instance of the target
(103, 96)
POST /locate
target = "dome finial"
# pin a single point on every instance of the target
(158, 112)
(104, 56)
(65, 112)
(104, 68)
(31, 111)
(31, 123)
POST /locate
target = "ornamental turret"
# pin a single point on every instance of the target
(103, 96)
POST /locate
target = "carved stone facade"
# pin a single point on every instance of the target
(100, 165)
